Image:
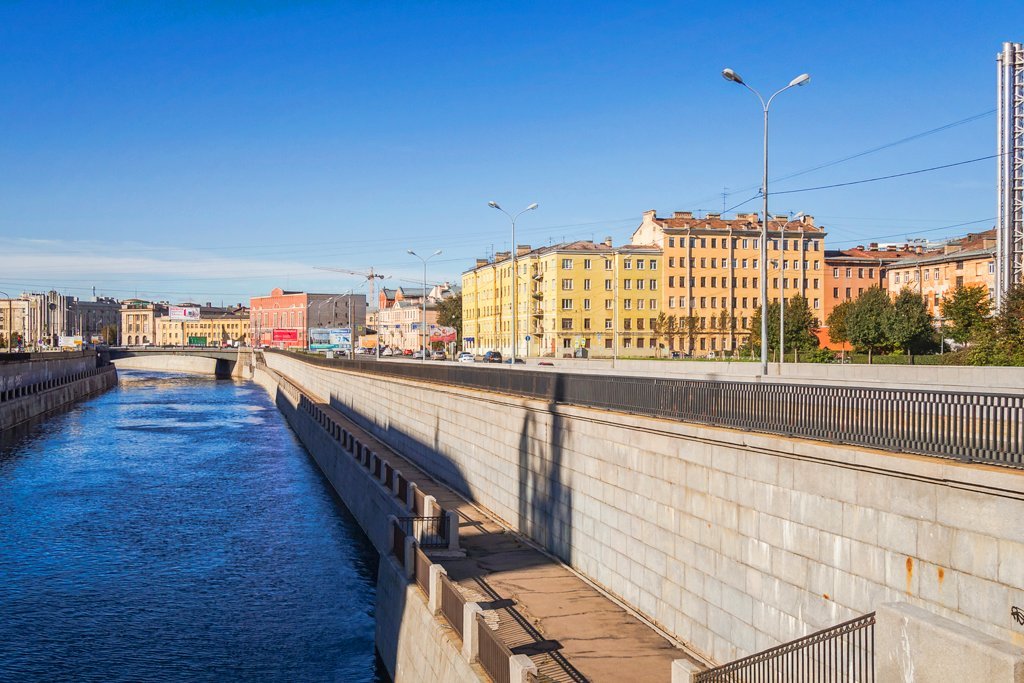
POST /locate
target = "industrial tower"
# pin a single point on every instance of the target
(1010, 151)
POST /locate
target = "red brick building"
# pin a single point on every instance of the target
(283, 319)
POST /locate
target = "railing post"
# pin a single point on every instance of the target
(470, 637)
(395, 476)
(428, 506)
(434, 598)
(520, 667)
(684, 671)
(410, 557)
(452, 520)
(410, 497)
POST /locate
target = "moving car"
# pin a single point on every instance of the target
(466, 357)
(492, 357)
(439, 355)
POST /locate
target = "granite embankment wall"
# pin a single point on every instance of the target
(731, 541)
(414, 645)
(36, 384)
(186, 363)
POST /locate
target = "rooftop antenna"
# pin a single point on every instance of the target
(725, 195)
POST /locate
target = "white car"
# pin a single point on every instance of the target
(387, 352)
(466, 357)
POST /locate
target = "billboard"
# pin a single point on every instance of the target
(183, 312)
(330, 338)
(74, 342)
(443, 334)
(286, 335)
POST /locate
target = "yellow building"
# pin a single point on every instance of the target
(711, 276)
(967, 262)
(138, 321)
(214, 328)
(571, 297)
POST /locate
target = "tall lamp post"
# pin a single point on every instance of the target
(436, 253)
(515, 274)
(730, 75)
(782, 286)
(9, 321)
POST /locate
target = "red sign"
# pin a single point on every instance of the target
(286, 335)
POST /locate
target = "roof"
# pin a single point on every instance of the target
(580, 247)
(869, 256)
(962, 255)
(685, 220)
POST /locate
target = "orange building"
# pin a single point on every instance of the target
(850, 272)
(283, 319)
(711, 279)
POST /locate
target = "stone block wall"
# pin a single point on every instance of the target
(731, 541)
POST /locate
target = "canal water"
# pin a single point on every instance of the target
(174, 529)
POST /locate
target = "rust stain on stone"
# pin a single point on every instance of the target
(910, 573)
(942, 575)
(825, 595)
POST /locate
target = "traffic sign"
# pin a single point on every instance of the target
(528, 337)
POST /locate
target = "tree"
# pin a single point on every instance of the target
(1000, 340)
(909, 323)
(773, 328)
(867, 321)
(449, 314)
(660, 329)
(672, 330)
(800, 325)
(837, 321)
(109, 334)
(965, 311)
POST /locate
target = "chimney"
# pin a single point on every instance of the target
(807, 220)
(650, 215)
(502, 255)
(522, 249)
(608, 241)
(481, 262)
(682, 214)
(873, 246)
(713, 216)
(859, 247)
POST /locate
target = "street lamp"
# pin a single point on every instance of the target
(802, 79)
(515, 310)
(782, 288)
(10, 321)
(436, 253)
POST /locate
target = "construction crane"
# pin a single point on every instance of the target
(369, 275)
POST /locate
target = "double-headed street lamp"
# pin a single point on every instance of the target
(515, 250)
(436, 253)
(730, 75)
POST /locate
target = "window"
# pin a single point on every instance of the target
(671, 302)
(671, 282)
(586, 304)
(671, 241)
(639, 284)
(627, 304)
(566, 323)
(566, 304)
(703, 302)
(671, 262)
(586, 264)
(849, 272)
(991, 267)
(607, 323)
(608, 265)
(959, 280)
(640, 343)
(609, 304)
(627, 323)
(639, 264)
(567, 283)
(586, 323)
(639, 323)
(713, 245)
(652, 264)
(835, 273)
(871, 273)
(847, 292)
(608, 285)
(640, 304)
(627, 264)
(567, 343)
(567, 264)
(627, 284)
(652, 304)
(607, 343)
(627, 343)
(586, 284)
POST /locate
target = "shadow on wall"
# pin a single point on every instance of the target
(545, 502)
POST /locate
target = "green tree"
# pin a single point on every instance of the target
(109, 334)
(867, 321)
(800, 325)
(965, 311)
(449, 314)
(837, 321)
(773, 329)
(1000, 340)
(909, 323)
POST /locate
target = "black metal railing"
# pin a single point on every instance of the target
(972, 426)
(452, 604)
(494, 655)
(841, 654)
(429, 532)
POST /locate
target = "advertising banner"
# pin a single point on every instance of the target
(183, 313)
(330, 338)
(285, 335)
(443, 334)
(74, 342)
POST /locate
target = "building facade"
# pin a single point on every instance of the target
(216, 326)
(14, 323)
(139, 321)
(712, 274)
(967, 262)
(283, 318)
(850, 272)
(574, 298)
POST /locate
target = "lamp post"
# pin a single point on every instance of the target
(436, 253)
(782, 286)
(515, 310)
(10, 321)
(730, 75)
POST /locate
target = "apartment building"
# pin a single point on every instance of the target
(711, 274)
(216, 326)
(850, 272)
(966, 262)
(139, 321)
(574, 299)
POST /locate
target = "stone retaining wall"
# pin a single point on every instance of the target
(731, 541)
(29, 401)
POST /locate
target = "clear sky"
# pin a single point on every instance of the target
(214, 150)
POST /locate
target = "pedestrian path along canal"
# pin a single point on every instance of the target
(174, 529)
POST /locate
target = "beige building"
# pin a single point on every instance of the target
(712, 273)
(573, 298)
(215, 327)
(967, 262)
(14, 317)
(138, 321)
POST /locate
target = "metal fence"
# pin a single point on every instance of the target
(972, 426)
(842, 654)
(423, 570)
(429, 532)
(493, 654)
(398, 542)
(451, 604)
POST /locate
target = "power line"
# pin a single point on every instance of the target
(886, 177)
(916, 232)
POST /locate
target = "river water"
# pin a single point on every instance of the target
(174, 529)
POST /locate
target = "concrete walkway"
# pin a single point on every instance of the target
(540, 608)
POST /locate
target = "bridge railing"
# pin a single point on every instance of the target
(970, 426)
(844, 653)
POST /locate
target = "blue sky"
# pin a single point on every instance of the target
(215, 150)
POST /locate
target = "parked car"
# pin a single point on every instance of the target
(519, 361)
(438, 355)
(492, 357)
(387, 352)
(407, 352)
(466, 357)
(421, 354)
